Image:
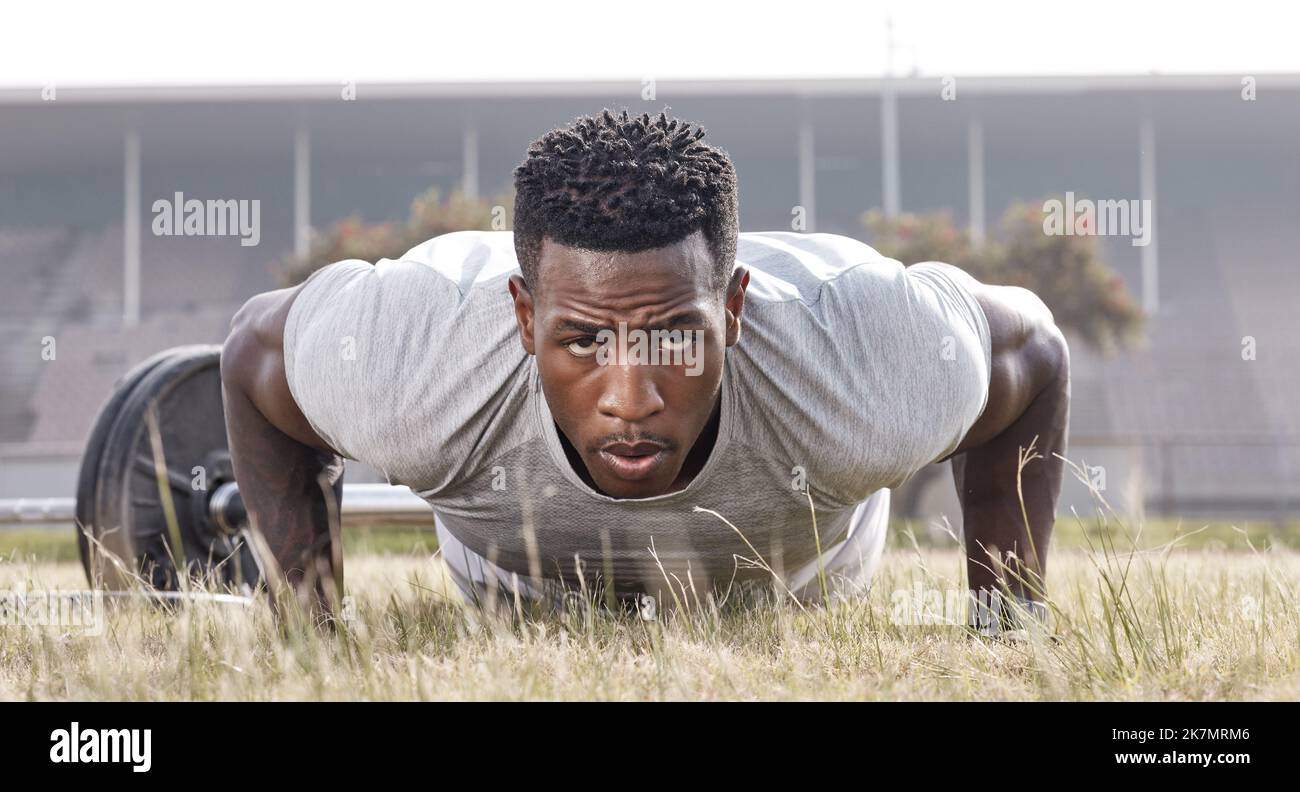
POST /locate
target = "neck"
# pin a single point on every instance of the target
(700, 450)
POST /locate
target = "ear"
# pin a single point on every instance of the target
(735, 303)
(523, 311)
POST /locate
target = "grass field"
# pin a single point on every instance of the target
(1132, 619)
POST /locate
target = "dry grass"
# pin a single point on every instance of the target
(1169, 623)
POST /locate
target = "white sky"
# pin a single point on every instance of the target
(241, 42)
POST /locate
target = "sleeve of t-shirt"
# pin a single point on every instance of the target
(883, 374)
(853, 367)
(393, 368)
(926, 355)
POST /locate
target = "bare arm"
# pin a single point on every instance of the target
(289, 478)
(1028, 407)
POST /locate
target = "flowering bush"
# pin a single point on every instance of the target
(1066, 272)
(430, 215)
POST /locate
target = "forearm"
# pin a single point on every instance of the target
(291, 492)
(1008, 488)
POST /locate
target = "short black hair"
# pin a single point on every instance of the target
(625, 183)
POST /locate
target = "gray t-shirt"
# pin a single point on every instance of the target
(851, 373)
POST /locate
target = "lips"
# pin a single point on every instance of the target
(633, 461)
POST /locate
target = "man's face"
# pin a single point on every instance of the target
(631, 416)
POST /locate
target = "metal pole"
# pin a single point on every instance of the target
(889, 130)
(363, 504)
(1147, 180)
(469, 159)
(808, 173)
(131, 230)
(302, 192)
(975, 178)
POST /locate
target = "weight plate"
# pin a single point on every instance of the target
(88, 475)
(144, 505)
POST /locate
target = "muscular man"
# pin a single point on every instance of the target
(507, 378)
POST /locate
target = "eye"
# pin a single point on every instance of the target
(583, 347)
(677, 341)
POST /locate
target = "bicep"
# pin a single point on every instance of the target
(1029, 355)
(253, 365)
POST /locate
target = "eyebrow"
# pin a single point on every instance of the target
(686, 318)
(575, 326)
(676, 320)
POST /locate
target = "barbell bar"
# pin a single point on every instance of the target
(363, 504)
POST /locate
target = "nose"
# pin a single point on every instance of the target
(630, 393)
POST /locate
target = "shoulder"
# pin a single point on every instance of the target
(407, 364)
(858, 368)
(466, 258)
(446, 280)
(786, 266)
(829, 249)
(461, 264)
(1029, 354)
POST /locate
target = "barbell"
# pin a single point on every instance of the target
(156, 489)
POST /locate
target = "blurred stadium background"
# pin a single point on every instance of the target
(1182, 424)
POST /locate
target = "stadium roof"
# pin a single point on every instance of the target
(910, 85)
